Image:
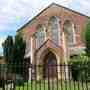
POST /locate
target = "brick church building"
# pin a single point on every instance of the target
(53, 36)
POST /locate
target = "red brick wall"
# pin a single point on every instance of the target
(64, 14)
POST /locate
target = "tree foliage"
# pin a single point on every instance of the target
(81, 65)
(14, 51)
(87, 38)
(19, 50)
(8, 49)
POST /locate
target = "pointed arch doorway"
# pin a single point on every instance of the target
(50, 66)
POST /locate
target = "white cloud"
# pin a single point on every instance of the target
(85, 4)
(81, 6)
(66, 2)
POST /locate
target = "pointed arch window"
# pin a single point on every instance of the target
(40, 35)
(54, 29)
(70, 33)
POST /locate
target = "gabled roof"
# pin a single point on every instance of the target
(46, 9)
(50, 45)
(46, 42)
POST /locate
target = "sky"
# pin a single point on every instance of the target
(15, 13)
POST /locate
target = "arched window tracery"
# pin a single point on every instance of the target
(70, 33)
(40, 36)
(54, 29)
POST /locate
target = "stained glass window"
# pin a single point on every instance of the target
(40, 36)
(54, 28)
(69, 30)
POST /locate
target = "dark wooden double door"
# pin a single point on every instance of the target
(50, 66)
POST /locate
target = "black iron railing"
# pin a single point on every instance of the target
(44, 77)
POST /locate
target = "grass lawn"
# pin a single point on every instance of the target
(54, 85)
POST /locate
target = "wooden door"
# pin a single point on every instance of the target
(50, 66)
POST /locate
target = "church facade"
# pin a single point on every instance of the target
(53, 36)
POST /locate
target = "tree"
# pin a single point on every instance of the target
(87, 38)
(14, 51)
(18, 54)
(8, 49)
(19, 49)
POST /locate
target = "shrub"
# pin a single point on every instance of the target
(80, 69)
(87, 37)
